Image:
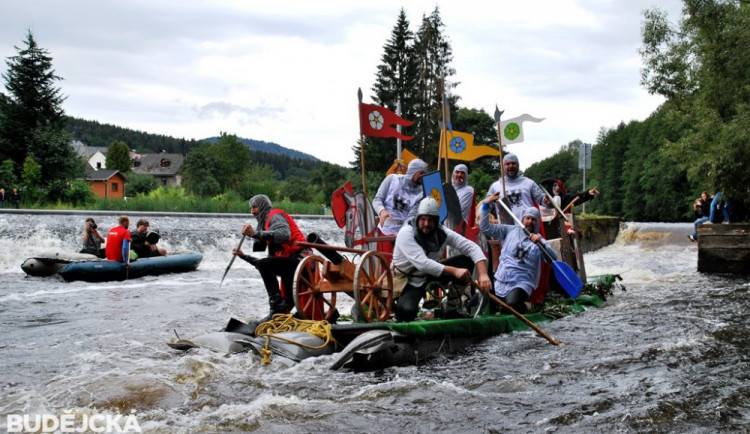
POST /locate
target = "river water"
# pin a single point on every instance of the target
(670, 354)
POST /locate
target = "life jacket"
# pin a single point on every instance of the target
(289, 248)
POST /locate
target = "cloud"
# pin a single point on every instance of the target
(288, 71)
(245, 115)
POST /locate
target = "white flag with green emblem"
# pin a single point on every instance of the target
(512, 128)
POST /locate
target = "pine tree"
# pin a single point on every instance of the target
(434, 54)
(395, 82)
(32, 100)
(118, 157)
(32, 121)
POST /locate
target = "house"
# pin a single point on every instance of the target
(162, 166)
(108, 184)
(95, 156)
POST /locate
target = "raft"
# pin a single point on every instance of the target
(104, 271)
(411, 343)
(378, 345)
(50, 263)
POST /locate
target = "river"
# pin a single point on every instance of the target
(669, 354)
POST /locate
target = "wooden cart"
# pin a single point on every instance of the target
(319, 279)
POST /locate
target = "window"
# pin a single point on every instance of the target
(115, 186)
(165, 162)
(98, 165)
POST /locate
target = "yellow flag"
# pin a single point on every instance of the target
(461, 146)
(406, 158)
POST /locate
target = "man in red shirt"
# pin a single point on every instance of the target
(118, 241)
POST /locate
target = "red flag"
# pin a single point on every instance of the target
(376, 121)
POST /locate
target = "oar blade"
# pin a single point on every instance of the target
(567, 278)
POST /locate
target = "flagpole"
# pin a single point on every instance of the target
(499, 113)
(362, 164)
(398, 128)
(444, 139)
(362, 149)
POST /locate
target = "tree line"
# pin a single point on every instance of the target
(647, 170)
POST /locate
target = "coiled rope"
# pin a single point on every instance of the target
(288, 323)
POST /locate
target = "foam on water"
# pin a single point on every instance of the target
(665, 355)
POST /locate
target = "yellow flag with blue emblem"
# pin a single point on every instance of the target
(461, 146)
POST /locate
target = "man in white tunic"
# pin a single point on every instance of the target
(419, 245)
(521, 257)
(464, 191)
(398, 195)
(521, 191)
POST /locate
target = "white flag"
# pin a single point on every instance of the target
(512, 128)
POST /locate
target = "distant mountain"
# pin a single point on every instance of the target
(93, 133)
(269, 147)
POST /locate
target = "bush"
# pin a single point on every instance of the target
(140, 184)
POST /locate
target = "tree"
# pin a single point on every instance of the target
(703, 69)
(199, 171)
(434, 54)
(233, 158)
(140, 184)
(414, 70)
(118, 157)
(563, 165)
(395, 83)
(31, 178)
(7, 177)
(32, 102)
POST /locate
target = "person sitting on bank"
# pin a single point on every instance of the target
(92, 240)
(519, 270)
(144, 242)
(419, 245)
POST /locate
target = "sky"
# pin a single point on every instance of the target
(288, 71)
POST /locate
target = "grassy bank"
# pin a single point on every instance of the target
(176, 200)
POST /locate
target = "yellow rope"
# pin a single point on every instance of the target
(288, 323)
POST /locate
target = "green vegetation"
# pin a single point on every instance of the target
(699, 139)
(32, 135)
(650, 170)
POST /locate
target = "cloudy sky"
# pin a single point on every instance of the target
(288, 71)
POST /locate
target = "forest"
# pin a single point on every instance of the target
(649, 170)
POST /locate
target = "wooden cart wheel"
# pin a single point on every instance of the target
(373, 287)
(311, 301)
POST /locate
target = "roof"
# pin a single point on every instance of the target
(87, 151)
(162, 164)
(101, 174)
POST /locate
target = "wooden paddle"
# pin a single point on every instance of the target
(570, 205)
(506, 306)
(231, 261)
(565, 275)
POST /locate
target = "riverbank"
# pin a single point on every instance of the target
(597, 232)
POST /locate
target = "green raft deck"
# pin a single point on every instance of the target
(466, 328)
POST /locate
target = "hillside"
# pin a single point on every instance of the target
(270, 148)
(93, 133)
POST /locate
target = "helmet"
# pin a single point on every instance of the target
(428, 206)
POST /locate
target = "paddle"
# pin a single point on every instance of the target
(127, 263)
(505, 305)
(565, 275)
(570, 221)
(554, 204)
(231, 261)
